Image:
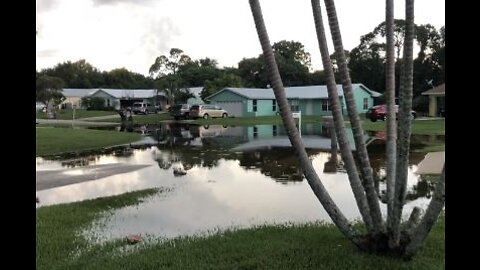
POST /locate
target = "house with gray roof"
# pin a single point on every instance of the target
(120, 98)
(73, 96)
(310, 100)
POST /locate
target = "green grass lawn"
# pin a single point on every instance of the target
(67, 114)
(51, 140)
(426, 127)
(308, 246)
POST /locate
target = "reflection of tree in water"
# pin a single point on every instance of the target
(83, 161)
(87, 157)
(423, 188)
(281, 164)
(190, 156)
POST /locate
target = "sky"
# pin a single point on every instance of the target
(130, 34)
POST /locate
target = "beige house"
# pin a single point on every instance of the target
(73, 97)
(121, 98)
(436, 101)
(115, 98)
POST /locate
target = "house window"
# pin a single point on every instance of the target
(274, 105)
(326, 105)
(274, 130)
(255, 132)
(254, 105)
(294, 105)
(365, 103)
(108, 102)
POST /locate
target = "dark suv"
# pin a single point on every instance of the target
(179, 111)
(379, 112)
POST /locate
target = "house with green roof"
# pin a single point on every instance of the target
(309, 100)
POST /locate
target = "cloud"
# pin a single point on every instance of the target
(47, 53)
(157, 38)
(46, 5)
(115, 2)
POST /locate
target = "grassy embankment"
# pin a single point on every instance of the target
(435, 127)
(308, 246)
(51, 140)
(79, 114)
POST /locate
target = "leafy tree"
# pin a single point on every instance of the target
(253, 72)
(293, 64)
(226, 80)
(195, 73)
(166, 68)
(49, 90)
(124, 79)
(94, 103)
(379, 238)
(79, 74)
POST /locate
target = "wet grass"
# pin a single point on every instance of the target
(57, 227)
(67, 114)
(308, 246)
(426, 127)
(434, 127)
(432, 148)
(52, 140)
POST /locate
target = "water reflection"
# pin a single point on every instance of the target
(227, 180)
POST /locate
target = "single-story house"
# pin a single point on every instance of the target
(310, 100)
(73, 96)
(119, 98)
(436, 100)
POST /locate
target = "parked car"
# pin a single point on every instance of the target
(144, 108)
(379, 112)
(179, 111)
(207, 110)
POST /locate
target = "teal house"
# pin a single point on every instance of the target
(310, 100)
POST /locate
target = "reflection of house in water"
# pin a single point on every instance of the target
(314, 136)
(263, 147)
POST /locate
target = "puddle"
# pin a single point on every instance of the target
(234, 178)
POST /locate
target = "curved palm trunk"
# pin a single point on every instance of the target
(313, 180)
(345, 149)
(431, 215)
(391, 152)
(366, 169)
(404, 126)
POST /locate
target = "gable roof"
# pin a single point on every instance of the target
(78, 92)
(129, 93)
(437, 90)
(296, 92)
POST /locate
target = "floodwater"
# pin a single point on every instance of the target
(234, 177)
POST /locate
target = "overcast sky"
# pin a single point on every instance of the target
(132, 33)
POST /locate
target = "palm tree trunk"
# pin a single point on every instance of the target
(404, 126)
(366, 169)
(313, 180)
(339, 125)
(391, 152)
(431, 215)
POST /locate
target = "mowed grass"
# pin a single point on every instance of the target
(425, 127)
(308, 246)
(52, 140)
(79, 114)
(57, 226)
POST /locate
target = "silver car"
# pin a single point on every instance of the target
(206, 111)
(144, 108)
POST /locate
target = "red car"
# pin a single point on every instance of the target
(379, 112)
